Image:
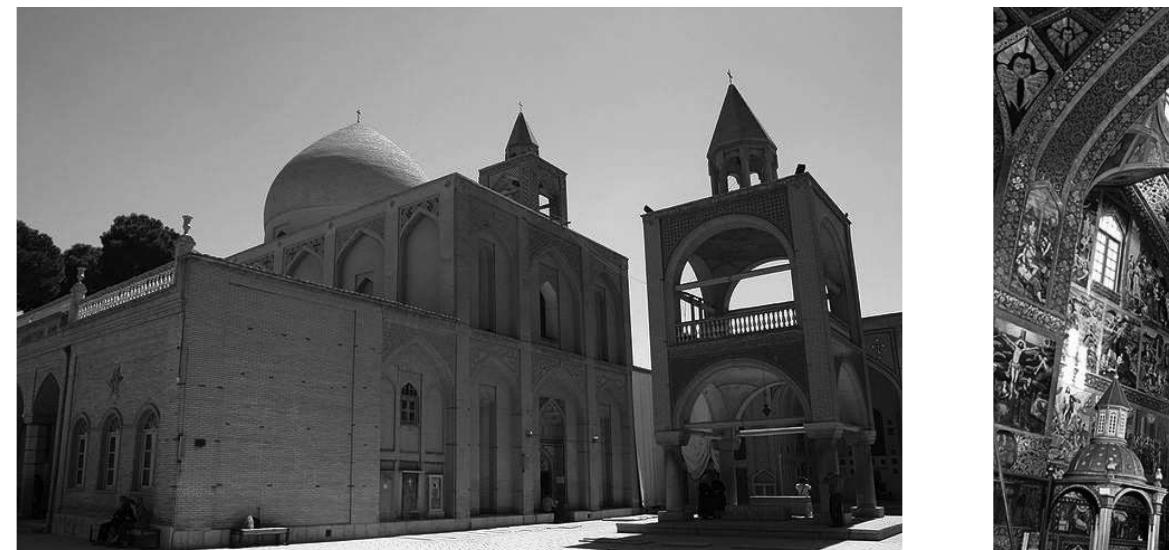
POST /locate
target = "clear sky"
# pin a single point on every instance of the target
(194, 111)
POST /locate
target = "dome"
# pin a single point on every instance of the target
(353, 166)
(1093, 460)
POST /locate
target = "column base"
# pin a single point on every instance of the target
(868, 512)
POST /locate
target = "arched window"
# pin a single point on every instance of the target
(80, 443)
(1106, 256)
(763, 484)
(147, 450)
(409, 408)
(549, 312)
(111, 435)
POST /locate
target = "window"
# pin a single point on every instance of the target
(147, 449)
(409, 405)
(80, 441)
(1106, 256)
(364, 285)
(110, 436)
(549, 312)
(763, 484)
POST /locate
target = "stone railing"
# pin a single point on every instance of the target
(745, 321)
(146, 284)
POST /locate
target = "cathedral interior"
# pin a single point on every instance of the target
(1081, 327)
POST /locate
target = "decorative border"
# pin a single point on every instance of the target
(1021, 308)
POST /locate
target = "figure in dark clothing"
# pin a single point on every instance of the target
(117, 529)
(718, 496)
(835, 500)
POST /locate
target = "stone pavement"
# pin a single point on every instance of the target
(591, 535)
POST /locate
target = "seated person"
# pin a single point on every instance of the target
(116, 530)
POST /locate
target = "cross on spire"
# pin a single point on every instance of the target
(521, 104)
(359, 114)
(730, 77)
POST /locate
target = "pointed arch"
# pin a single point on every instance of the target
(851, 398)
(306, 266)
(359, 265)
(419, 262)
(44, 407)
(557, 299)
(766, 373)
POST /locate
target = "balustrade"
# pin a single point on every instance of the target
(745, 321)
(141, 286)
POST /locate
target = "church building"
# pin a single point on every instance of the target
(398, 355)
(1081, 294)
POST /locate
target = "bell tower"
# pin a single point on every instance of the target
(755, 330)
(741, 154)
(526, 178)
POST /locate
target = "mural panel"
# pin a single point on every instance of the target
(1022, 371)
(1034, 251)
(1083, 265)
(1121, 342)
(1022, 74)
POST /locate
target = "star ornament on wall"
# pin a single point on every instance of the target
(115, 381)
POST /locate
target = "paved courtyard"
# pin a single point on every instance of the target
(595, 535)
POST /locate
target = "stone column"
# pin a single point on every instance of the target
(1103, 532)
(675, 484)
(823, 437)
(866, 491)
(1155, 525)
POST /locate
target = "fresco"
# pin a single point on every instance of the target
(1034, 250)
(1022, 74)
(1085, 314)
(1071, 423)
(1083, 265)
(1119, 347)
(1022, 373)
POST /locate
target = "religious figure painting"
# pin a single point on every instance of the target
(1023, 367)
(1120, 347)
(1034, 250)
(1085, 313)
(1087, 238)
(1022, 73)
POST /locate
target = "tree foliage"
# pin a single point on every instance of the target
(134, 244)
(38, 268)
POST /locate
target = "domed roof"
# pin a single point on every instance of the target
(353, 166)
(1094, 460)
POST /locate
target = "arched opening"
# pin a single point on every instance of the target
(1073, 519)
(744, 418)
(549, 312)
(1130, 523)
(39, 438)
(146, 457)
(420, 273)
(733, 183)
(360, 265)
(553, 459)
(743, 281)
(307, 267)
(499, 479)
(79, 450)
(110, 447)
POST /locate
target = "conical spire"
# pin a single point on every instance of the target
(521, 140)
(1114, 397)
(736, 122)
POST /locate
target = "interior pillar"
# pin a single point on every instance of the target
(1103, 532)
(823, 438)
(866, 491)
